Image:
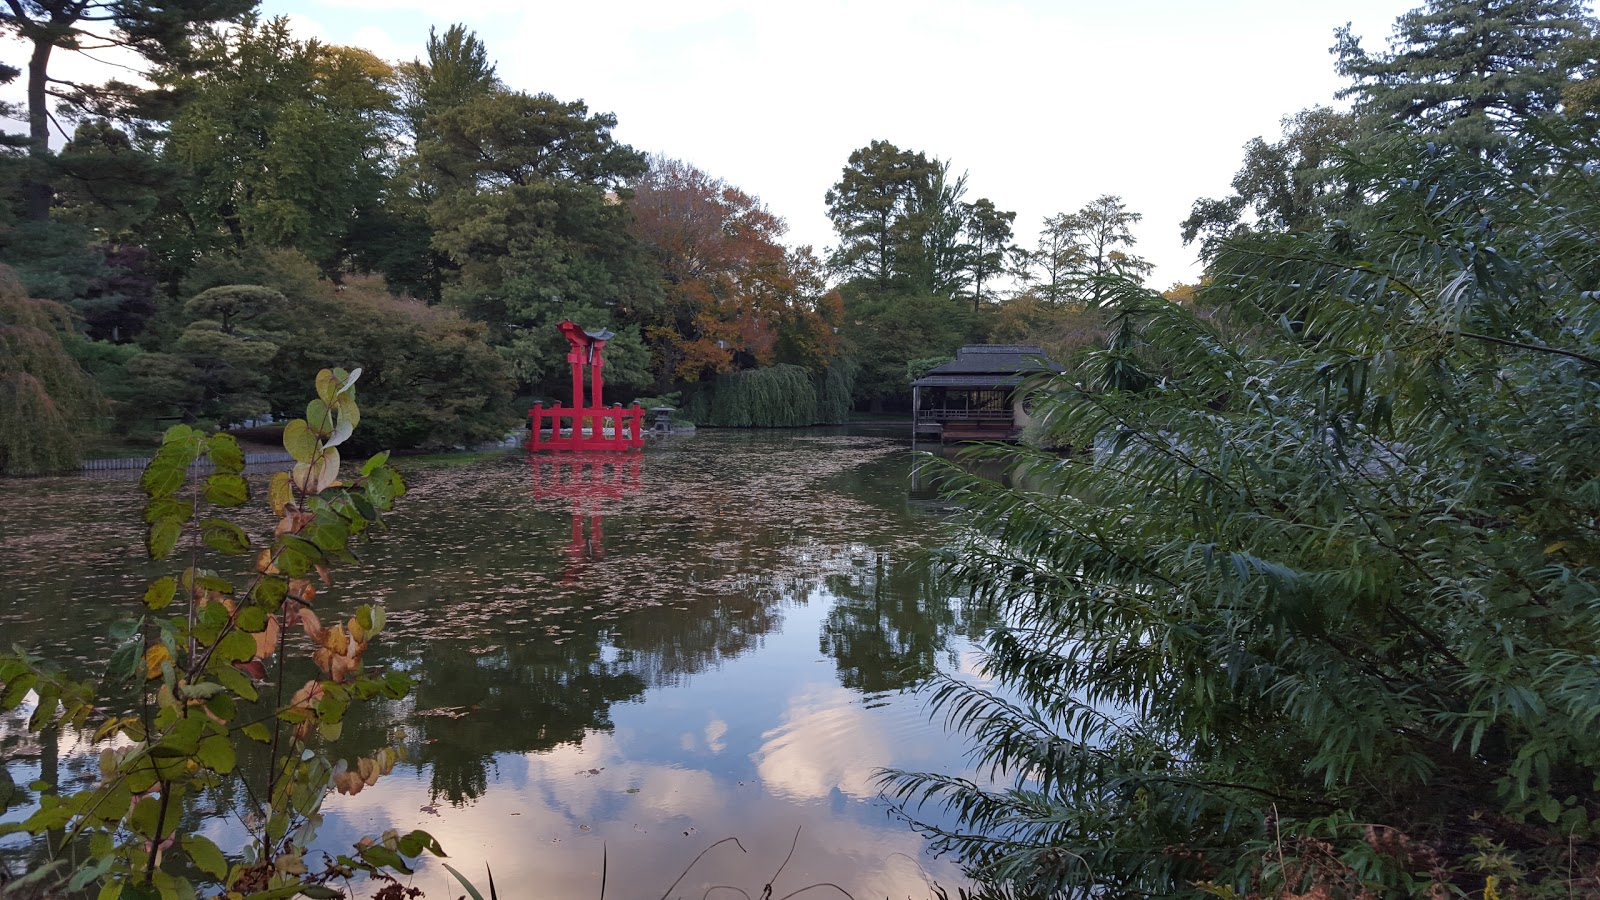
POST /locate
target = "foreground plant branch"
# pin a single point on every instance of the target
(197, 659)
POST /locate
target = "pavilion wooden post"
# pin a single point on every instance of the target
(916, 413)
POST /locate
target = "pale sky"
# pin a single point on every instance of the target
(1045, 103)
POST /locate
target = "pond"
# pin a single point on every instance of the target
(717, 638)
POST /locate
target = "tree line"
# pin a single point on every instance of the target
(264, 205)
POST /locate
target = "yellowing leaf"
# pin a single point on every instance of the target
(153, 658)
(327, 387)
(280, 493)
(299, 440)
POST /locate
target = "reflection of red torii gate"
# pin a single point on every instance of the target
(589, 480)
(625, 424)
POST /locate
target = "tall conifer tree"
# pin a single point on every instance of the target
(1471, 70)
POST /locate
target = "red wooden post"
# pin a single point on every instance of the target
(577, 378)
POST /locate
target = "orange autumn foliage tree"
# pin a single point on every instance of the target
(736, 297)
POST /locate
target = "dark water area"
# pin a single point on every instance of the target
(719, 637)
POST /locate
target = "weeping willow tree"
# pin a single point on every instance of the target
(781, 396)
(775, 397)
(46, 399)
(836, 391)
(1313, 610)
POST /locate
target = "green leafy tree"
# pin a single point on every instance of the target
(884, 332)
(529, 209)
(284, 142)
(1473, 71)
(46, 399)
(219, 369)
(1580, 98)
(988, 232)
(1106, 239)
(937, 258)
(429, 377)
(160, 33)
(110, 182)
(1079, 253)
(872, 208)
(397, 238)
(1047, 269)
(1287, 185)
(1313, 609)
(457, 71)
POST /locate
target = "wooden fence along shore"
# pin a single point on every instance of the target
(112, 465)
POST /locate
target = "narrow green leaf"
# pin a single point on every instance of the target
(465, 884)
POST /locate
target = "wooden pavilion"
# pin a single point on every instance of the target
(973, 397)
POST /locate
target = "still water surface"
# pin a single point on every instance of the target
(719, 641)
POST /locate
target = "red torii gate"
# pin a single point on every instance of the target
(589, 421)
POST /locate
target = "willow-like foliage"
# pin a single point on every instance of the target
(46, 398)
(1323, 573)
(775, 397)
(835, 390)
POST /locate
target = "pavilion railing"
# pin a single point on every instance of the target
(955, 414)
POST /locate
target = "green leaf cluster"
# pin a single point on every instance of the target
(197, 660)
(1311, 602)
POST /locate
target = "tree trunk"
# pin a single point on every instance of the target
(37, 188)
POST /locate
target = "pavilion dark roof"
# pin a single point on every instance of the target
(989, 365)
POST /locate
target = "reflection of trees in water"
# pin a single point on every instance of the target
(552, 685)
(890, 625)
(526, 696)
(664, 644)
(696, 572)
